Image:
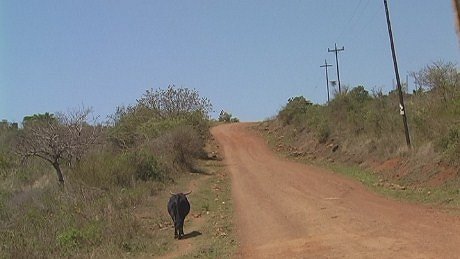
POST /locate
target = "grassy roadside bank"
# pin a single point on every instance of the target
(445, 196)
(213, 203)
(44, 220)
(209, 226)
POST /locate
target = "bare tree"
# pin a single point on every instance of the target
(65, 137)
(441, 78)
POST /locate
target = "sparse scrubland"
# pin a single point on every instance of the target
(106, 200)
(73, 187)
(361, 134)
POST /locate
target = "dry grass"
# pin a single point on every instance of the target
(105, 209)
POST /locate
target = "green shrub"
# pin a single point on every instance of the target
(155, 128)
(157, 112)
(355, 116)
(179, 148)
(72, 239)
(323, 132)
(294, 109)
(148, 167)
(69, 240)
(450, 143)
(227, 117)
(107, 169)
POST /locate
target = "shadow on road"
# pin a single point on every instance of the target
(192, 234)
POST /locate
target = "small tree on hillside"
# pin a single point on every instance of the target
(296, 106)
(175, 102)
(158, 111)
(441, 78)
(55, 139)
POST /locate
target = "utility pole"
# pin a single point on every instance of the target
(398, 81)
(326, 65)
(337, 62)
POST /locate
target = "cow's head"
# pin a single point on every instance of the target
(187, 193)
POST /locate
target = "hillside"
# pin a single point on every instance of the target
(358, 129)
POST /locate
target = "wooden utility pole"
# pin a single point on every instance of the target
(398, 81)
(326, 65)
(337, 62)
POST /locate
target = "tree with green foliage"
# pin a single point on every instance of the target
(296, 106)
(158, 111)
(359, 94)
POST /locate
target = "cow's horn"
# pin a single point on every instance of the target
(172, 193)
(188, 193)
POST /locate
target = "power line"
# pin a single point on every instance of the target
(351, 23)
(368, 22)
(350, 20)
(326, 65)
(337, 62)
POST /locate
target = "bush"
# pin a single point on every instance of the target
(450, 143)
(70, 222)
(354, 116)
(441, 79)
(148, 168)
(323, 132)
(92, 214)
(158, 112)
(107, 170)
(227, 117)
(179, 148)
(294, 109)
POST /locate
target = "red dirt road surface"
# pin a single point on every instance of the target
(290, 210)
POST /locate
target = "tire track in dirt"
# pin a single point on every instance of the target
(286, 209)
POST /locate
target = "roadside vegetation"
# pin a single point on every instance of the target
(227, 117)
(72, 187)
(361, 134)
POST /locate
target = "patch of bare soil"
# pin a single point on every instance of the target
(187, 244)
(148, 217)
(388, 165)
(444, 175)
(292, 210)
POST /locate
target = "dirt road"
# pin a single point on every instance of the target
(291, 210)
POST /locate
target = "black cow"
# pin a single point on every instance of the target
(178, 208)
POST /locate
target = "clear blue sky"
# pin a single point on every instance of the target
(247, 57)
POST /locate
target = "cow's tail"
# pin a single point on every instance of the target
(176, 212)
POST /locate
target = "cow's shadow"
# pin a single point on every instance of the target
(191, 235)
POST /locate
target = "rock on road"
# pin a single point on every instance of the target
(291, 210)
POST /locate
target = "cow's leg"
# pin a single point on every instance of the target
(176, 233)
(181, 231)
